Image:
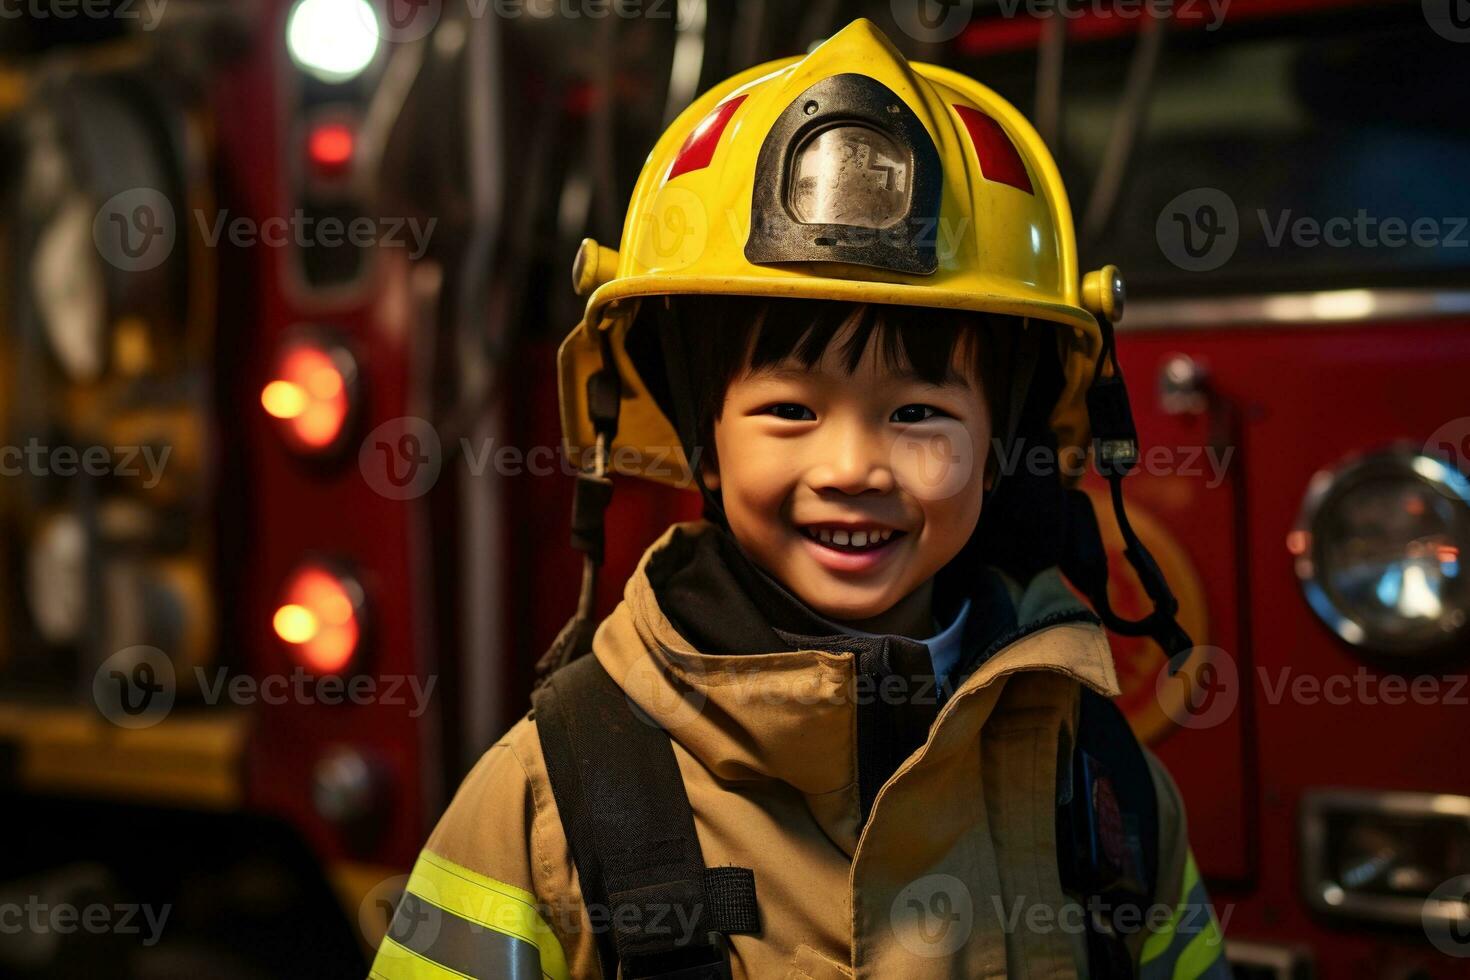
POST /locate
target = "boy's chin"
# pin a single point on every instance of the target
(844, 602)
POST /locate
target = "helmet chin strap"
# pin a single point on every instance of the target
(589, 506)
(1115, 441)
(594, 488)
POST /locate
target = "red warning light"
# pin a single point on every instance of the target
(330, 147)
(319, 618)
(310, 395)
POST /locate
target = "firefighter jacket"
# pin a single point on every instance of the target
(928, 851)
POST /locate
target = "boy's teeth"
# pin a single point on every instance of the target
(850, 539)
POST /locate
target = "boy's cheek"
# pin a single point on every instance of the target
(938, 467)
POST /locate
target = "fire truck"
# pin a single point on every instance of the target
(281, 281)
(283, 285)
(1296, 363)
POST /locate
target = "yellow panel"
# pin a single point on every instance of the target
(185, 761)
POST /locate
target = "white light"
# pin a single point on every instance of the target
(1343, 304)
(332, 39)
(1418, 598)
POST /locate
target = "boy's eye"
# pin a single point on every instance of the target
(915, 413)
(792, 412)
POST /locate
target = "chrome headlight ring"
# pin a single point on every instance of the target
(1380, 545)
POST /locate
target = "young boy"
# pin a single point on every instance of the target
(853, 724)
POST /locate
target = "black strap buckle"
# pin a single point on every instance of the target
(707, 961)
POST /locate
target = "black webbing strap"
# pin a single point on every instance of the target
(592, 493)
(1108, 834)
(1115, 444)
(655, 908)
(593, 489)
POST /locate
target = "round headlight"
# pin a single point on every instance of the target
(1378, 551)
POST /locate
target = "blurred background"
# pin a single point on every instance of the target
(284, 511)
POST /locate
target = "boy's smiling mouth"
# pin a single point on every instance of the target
(849, 537)
(854, 547)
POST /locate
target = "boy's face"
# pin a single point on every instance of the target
(808, 458)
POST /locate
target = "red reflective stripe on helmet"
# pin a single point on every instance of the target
(699, 148)
(999, 160)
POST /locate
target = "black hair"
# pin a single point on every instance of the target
(724, 336)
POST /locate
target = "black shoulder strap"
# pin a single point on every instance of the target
(1108, 832)
(655, 908)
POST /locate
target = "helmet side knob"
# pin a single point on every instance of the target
(1103, 293)
(594, 265)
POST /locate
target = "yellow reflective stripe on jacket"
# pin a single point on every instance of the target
(1190, 946)
(394, 962)
(453, 922)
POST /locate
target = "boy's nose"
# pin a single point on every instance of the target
(852, 461)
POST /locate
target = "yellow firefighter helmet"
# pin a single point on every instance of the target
(847, 174)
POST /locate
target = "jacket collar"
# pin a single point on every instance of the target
(753, 700)
(722, 602)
